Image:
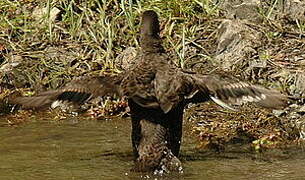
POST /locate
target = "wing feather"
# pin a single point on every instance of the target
(78, 90)
(238, 93)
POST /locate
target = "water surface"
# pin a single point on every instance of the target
(77, 148)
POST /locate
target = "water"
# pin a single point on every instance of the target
(88, 149)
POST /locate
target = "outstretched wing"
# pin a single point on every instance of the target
(237, 93)
(78, 90)
(173, 87)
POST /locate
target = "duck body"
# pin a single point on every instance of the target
(156, 128)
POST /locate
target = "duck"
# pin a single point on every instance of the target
(157, 92)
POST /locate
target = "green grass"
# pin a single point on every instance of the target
(86, 36)
(95, 32)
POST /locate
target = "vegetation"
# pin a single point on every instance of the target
(59, 39)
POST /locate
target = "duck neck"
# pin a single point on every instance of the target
(150, 33)
(151, 44)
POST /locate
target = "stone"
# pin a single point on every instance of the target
(236, 39)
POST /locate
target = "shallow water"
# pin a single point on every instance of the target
(89, 149)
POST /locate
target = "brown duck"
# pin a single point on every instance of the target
(157, 92)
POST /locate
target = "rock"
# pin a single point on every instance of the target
(278, 113)
(236, 39)
(242, 9)
(300, 124)
(41, 14)
(301, 110)
(125, 60)
(14, 61)
(252, 9)
(299, 88)
(294, 10)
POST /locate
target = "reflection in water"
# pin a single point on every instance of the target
(88, 149)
